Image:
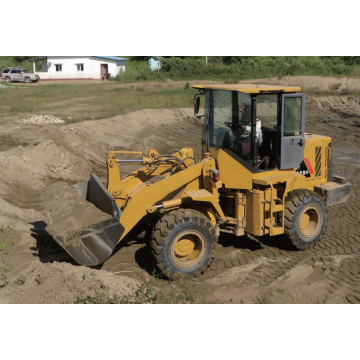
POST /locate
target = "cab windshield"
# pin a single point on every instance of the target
(227, 116)
(227, 125)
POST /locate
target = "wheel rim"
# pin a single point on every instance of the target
(309, 222)
(188, 248)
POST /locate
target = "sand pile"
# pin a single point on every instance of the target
(46, 159)
(340, 107)
(46, 119)
(67, 211)
(59, 283)
(316, 83)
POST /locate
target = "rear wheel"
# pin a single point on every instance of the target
(8, 79)
(305, 218)
(183, 243)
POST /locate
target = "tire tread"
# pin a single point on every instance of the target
(293, 200)
(164, 226)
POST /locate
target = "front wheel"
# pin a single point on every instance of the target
(183, 243)
(28, 80)
(305, 218)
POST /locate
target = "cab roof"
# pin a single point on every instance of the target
(250, 88)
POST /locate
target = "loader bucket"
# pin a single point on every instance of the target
(94, 244)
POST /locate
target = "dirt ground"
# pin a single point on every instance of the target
(313, 83)
(33, 158)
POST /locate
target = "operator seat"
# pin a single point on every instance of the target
(243, 148)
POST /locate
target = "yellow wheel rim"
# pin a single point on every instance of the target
(188, 248)
(309, 222)
(305, 218)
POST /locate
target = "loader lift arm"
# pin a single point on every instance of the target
(130, 199)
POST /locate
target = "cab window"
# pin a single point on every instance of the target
(267, 110)
(223, 117)
(267, 113)
(292, 116)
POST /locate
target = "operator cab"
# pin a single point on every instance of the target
(260, 126)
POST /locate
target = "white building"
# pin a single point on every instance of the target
(155, 63)
(79, 67)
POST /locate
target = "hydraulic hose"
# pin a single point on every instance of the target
(173, 152)
(168, 157)
(182, 162)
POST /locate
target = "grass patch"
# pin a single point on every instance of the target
(88, 101)
(234, 80)
(6, 248)
(335, 87)
(150, 291)
(274, 296)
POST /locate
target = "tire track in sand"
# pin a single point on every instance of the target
(334, 261)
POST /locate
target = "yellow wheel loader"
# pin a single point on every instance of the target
(260, 174)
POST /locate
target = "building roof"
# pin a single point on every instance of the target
(250, 88)
(116, 58)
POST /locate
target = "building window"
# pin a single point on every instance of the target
(58, 67)
(80, 67)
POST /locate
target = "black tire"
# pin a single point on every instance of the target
(28, 80)
(8, 79)
(183, 243)
(305, 218)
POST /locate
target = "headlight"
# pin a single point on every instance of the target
(214, 175)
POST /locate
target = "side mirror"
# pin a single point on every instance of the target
(196, 104)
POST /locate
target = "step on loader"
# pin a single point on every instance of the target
(260, 174)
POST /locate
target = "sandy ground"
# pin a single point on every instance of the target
(35, 157)
(316, 83)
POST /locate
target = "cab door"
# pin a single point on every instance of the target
(292, 130)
